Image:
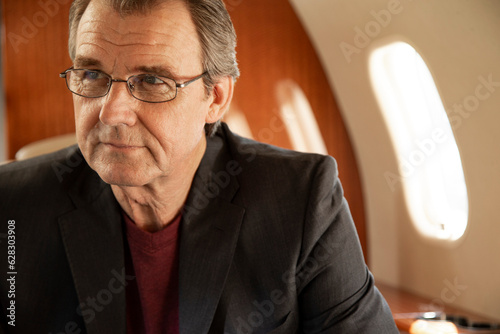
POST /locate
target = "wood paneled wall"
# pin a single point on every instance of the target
(272, 46)
(34, 53)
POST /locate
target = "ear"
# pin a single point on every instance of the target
(222, 94)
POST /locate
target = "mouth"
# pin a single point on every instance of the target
(121, 146)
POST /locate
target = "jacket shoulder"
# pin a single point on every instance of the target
(42, 184)
(45, 170)
(269, 159)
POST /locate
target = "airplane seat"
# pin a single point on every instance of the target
(44, 146)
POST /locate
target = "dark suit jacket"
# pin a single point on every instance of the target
(267, 246)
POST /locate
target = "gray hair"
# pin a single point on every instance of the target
(213, 24)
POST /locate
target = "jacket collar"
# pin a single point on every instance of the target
(209, 233)
(93, 239)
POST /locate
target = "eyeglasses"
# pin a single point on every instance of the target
(144, 87)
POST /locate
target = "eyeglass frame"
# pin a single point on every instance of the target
(111, 80)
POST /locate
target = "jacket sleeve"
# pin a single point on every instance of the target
(336, 290)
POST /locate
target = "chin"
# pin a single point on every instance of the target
(123, 181)
(123, 169)
(122, 175)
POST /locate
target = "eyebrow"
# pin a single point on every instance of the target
(159, 70)
(164, 71)
(86, 61)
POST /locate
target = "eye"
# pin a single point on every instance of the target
(91, 75)
(152, 80)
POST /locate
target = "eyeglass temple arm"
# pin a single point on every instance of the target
(63, 74)
(182, 85)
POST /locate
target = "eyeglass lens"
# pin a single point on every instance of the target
(144, 87)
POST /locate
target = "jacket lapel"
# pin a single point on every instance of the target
(209, 234)
(92, 236)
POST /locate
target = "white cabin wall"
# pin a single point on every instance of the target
(460, 42)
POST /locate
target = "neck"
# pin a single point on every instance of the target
(155, 205)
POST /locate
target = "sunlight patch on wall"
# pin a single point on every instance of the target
(298, 117)
(238, 122)
(430, 168)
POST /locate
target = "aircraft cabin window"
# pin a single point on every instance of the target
(430, 168)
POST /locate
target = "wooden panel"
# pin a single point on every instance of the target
(272, 46)
(34, 53)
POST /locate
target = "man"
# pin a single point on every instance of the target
(162, 220)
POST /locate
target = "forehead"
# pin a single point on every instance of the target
(166, 35)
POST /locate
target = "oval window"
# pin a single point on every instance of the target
(430, 168)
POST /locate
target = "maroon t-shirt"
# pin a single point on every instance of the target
(153, 297)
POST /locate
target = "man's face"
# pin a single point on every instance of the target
(127, 141)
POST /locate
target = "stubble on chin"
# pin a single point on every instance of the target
(120, 169)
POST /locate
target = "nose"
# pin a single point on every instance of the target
(118, 106)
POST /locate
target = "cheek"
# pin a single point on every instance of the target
(179, 130)
(198, 108)
(86, 110)
(192, 121)
(86, 117)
